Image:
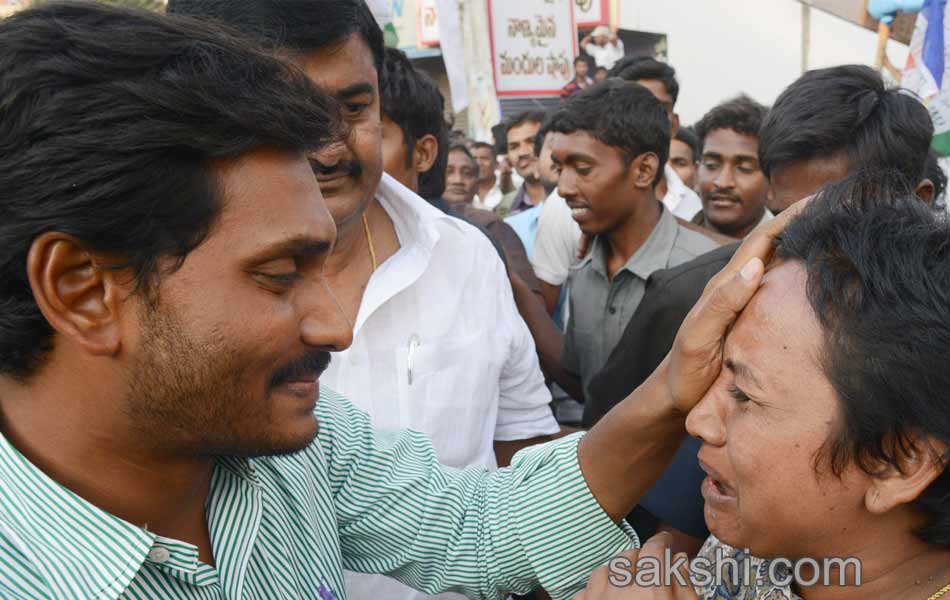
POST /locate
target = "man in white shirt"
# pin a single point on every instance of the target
(603, 46)
(491, 180)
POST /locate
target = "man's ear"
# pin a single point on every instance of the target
(643, 170)
(895, 487)
(674, 126)
(80, 300)
(425, 153)
(926, 191)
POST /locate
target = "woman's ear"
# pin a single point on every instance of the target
(895, 487)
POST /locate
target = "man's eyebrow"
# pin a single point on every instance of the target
(356, 89)
(578, 157)
(298, 247)
(742, 370)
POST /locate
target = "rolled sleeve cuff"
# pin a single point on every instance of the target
(564, 531)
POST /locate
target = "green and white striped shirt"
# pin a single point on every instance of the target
(286, 527)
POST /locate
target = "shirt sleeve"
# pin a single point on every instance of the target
(483, 534)
(556, 242)
(524, 401)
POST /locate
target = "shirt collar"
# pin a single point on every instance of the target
(79, 550)
(652, 256)
(417, 226)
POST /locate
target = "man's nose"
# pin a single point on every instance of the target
(331, 154)
(325, 324)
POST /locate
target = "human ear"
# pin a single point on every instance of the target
(926, 191)
(425, 153)
(644, 169)
(895, 487)
(78, 298)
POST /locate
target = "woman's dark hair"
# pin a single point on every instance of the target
(302, 26)
(109, 120)
(619, 114)
(848, 110)
(878, 265)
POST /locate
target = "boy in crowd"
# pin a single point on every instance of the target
(558, 239)
(733, 188)
(610, 143)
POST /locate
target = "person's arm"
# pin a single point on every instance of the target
(552, 295)
(548, 339)
(585, 41)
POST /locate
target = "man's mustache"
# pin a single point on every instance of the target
(345, 167)
(310, 366)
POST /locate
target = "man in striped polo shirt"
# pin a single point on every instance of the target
(162, 240)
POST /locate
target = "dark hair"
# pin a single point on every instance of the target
(847, 109)
(935, 174)
(687, 135)
(528, 116)
(638, 68)
(109, 118)
(625, 116)
(741, 114)
(477, 145)
(412, 100)
(886, 320)
(580, 58)
(542, 135)
(302, 26)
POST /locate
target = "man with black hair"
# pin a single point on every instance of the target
(492, 185)
(610, 143)
(684, 155)
(733, 188)
(166, 318)
(816, 133)
(558, 240)
(520, 134)
(581, 80)
(396, 252)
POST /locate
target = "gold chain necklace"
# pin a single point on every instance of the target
(369, 239)
(939, 594)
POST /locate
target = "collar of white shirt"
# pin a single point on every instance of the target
(682, 201)
(417, 226)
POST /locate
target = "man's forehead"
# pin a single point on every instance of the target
(345, 64)
(523, 131)
(269, 196)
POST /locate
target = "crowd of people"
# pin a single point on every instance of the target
(269, 328)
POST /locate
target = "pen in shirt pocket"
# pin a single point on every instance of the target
(414, 343)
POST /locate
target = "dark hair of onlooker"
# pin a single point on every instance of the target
(412, 100)
(935, 174)
(109, 120)
(528, 116)
(741, 114)
(688, 136)
(580, 58)
(885, 317)
(542, 136)
(490, 147)
(625, 116)
(848, 110)
(302, 26)
(639, 68)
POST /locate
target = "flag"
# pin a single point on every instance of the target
(926, 71)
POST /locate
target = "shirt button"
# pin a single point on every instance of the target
(159, 555)
(613, 310)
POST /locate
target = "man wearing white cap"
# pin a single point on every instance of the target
(603, 46)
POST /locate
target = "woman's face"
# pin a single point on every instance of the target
(764, 424)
